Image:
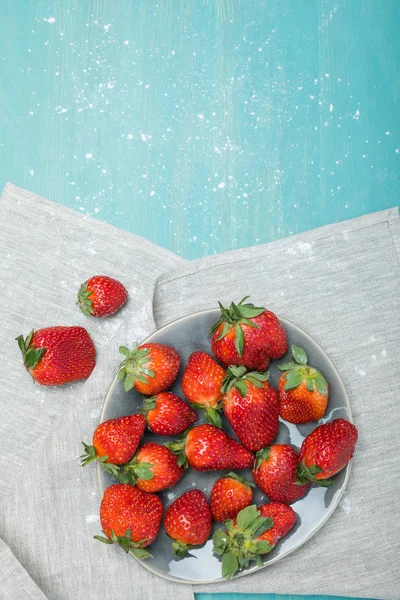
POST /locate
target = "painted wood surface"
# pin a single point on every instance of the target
(204, 125)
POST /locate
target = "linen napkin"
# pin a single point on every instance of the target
(340, 283)
(49, 505)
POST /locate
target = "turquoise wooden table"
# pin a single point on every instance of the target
(204, 125)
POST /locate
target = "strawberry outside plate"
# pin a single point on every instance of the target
(186, 335)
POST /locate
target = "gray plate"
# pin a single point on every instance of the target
(186, 335)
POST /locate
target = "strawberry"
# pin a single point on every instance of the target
(251, 407)
(302, 390)
(167, 414)
(275, 473)
(154, 468)
(149, 368)
(254, 532)
(229, 495)
(247, 335)
(58, 355)
(188, 521)
(326, 451)
(208, 448)
(283, 517)
(130, 518)
(201, 384)
(101, 296)
(115, 442)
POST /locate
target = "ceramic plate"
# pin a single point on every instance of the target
(186, 335)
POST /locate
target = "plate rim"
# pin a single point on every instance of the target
(289, 551)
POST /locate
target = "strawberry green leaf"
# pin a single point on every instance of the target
(326, 483)
(262, 455)
(104, 540)
(141, 553)
(21, 343)
(33, 356)
(246, 517)
(121, 373)
(226, 327)
(110, 468)
(128, 382)
(29, 338)
(148, 404)
(307, 474)
(309, 384)
(230, 527)
(321, 383)
(220, 542)
(255, 382)
(262, 547)
(125, 351)
(230, 565)
(293, 380)
(144, 471)
(84, 300)
(213, 417)
(180, 548)
(148, 372)
(265, 524)
(299, 355)
(236, 370)
(259, 376)
(89, 455)
(287, 366)
(248, 311)
(239, 339)
(241, 387)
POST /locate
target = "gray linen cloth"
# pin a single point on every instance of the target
(340, 283)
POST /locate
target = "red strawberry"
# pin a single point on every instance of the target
(247, 335)
(101, 296)
(201, 384)
(188, 521)
(208, 448)
(302, 390)
(115, 442)
(326, 451)
(251, 407)
(58, 355)
(149, 368)
(168, 414)
(254, 532)
(283, 517)
(275, 473)
(154, 468)
(130, 518)
(229, 495)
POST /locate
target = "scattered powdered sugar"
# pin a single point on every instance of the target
(95, 414)
(305, 247)
(92, 518)
(345, 505)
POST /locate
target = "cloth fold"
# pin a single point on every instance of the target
(340, 283)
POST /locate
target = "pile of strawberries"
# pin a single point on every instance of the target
(234, 383)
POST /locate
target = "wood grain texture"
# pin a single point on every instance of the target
(204, 125)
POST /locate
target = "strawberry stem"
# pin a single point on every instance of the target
(134, 366)
(236, 316)
(30, 354)
(238, 544)
(180, 548)
(297, 371)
